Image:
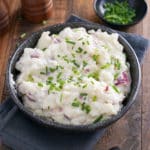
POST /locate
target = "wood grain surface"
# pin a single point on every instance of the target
(131, 132)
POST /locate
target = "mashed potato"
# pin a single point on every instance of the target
(74, 77)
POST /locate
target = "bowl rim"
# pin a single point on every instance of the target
(117, 24)
(88, 127)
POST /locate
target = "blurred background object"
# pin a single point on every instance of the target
(4, 16)
(37, 11)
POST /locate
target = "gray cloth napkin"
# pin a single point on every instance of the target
(20, 133)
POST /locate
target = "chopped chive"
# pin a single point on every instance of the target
(80, 39)
(49, 80)
(69, 41)
(85, 52)
(61, 83)
(30, 78)
(46, 70)
(98, 119)
(61, 97)
(75, 63)
(75, 71)
(53, 69)
(95, 58)
(92, 82)
(84, 63)
(87, 42)
(83, 43)
(80, 50)
(84, 86)
(76, 103)
(94, 98)
(86, 108)
(83, 94)
(40, 84)
(59, 75)
(107, 65)
(115, 89)
(42, 73)
(44, 49)
(116, 63)
(66, 58)
(94, 75)
(23, 35)
(116, 76)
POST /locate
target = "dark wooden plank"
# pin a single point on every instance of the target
(132, 131)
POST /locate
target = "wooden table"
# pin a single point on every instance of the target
(132, 132)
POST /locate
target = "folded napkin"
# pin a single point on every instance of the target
(20, 133)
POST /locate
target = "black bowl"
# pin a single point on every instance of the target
(31, 42)
(139, 6)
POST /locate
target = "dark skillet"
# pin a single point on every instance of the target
(31, 42)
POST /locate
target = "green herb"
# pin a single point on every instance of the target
(85, 107)
(61, 97)
(116, 75)
(66, 58)
(85, 52)
(44, 22)
(61, 83)
(76, 103)
(69, 41)
(94, 75)
(84, 86)
(40, 84)
(116, 63)
(23, 35)
(83, 43)
(59, 75)
(44, 49)
(80, 50)
(98, 119)
(83, 94)
(95, 58)
(107, 65)
(73, 55)
(87, 42)
(30, 78)
(119, 12)
(94, 98)
(84, 63)
(53, 69)
(75, 71)
(80, 39)
(58, 55)
(115, 89)
(49, 80)
(75, 63)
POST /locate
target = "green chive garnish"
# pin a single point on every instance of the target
(30, 78)
(76, 103)
(107, 65)
(98, 119)
(69, 41)
(115, 89)
(40, 84)
(94, 98)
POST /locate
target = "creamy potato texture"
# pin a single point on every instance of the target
(74, 77)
